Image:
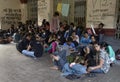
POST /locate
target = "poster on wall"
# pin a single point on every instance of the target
(101, 11)
(43, 10)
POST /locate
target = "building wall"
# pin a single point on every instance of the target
(98, 11)
(102, 11)
(10, 13)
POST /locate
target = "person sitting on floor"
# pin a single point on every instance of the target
(35, 49)
(110, 51)
(103, 61)
(23, 44)
(65, 67)
(53, 44)
(6, 40)
(75, 38)
(70, 43)
(85, 40)
(88, 56)
(93, 40)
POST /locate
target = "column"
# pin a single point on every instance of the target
(24, 10)
(45, 10)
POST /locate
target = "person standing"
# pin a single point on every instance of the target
(100, 32)
(54, 25)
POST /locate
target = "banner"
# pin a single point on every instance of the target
(59, 7)
(65, 9)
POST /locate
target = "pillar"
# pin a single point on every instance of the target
(44, 10)
(24, 10)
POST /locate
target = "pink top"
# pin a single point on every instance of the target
(54, 46)
(54, 25)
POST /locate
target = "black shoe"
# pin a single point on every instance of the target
(72, 77)
(111, 64)
(91, 75)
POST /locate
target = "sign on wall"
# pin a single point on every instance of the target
(101, 11)
(43, 10)
(10, 13)
(10, 16)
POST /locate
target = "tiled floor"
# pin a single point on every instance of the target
(14, 67)
(113, 41)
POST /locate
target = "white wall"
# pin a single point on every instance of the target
(10, 12)
(101, 11)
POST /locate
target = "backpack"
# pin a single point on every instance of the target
(117, 54)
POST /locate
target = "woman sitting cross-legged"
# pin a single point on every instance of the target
(51, 48)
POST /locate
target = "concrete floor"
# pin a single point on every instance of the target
(14, 67)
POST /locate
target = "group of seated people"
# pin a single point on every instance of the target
(5, 38)
(87, 54)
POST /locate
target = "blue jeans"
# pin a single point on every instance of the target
(97, 71)
(62, 61)
(76, 69)
(101, 38)
(28, 53)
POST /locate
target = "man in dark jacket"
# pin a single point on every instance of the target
(22, 45)
(35, 49)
